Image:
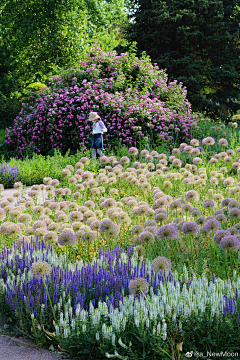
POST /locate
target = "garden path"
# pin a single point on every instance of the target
(6, 193)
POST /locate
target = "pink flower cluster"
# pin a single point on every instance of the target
(125, 91)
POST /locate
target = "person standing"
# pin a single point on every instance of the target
(98, 129)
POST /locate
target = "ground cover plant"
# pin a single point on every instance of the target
(127, 92)
(134, 261)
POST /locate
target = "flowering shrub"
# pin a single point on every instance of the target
(129, 94)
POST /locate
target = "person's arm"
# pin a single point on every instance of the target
(103, 127)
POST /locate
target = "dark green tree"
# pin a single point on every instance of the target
(197, 42)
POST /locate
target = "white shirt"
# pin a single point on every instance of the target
(98, 126)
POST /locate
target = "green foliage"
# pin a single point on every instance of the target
(198, 43)
(36, 86)
(41, 36)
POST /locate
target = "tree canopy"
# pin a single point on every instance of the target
(197, 42)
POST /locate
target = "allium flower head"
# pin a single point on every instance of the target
(66, 173)
(107, 225)
(47, 180)
(212, 225)
(208, 204)
(138, 286)
(208, 141)
(167, 232)
(234, 213)
(160, 264)
(136, 229)
(192, 196)
(124, 160)
(139, 251)
(66, 238)
(190, 228)
(144, 153)
(217, 237)
(104, 160)
(40, 268)
(146, 237)
(223, 142)
(85, 161)
(229, 242)
(194, 142)
(88, 236)
(132, 151)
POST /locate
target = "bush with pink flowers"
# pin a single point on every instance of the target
(127, 93)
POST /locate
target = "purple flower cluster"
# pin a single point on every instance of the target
(90, 283)
(9, 175)
(59, 116)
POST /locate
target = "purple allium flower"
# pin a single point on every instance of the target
(208, 141)
(233, 230)
(217, 237)
(223, 142)
(228, 182)
(161, 263)
(146, 237)
(40, 268)
(104, 160)
(221, 218)
(138, 286)
(167, 232)
(177, 163)
(200, 220)
(211, 225)
(144, 153)
(139, 251)
(124, 160)
(67, 238)
(107, 226)
(85, 161)
(192, 196)
(234, 213)
(208, 204)
(190, 228)
(132, 151)
(88, 236)
(194, 142)
(229, 242)
(136, 229)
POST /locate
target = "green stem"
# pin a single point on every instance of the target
(50, 301)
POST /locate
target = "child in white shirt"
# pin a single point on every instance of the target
(98, 129)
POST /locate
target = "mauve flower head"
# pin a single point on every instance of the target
(208, 141)
(192, 196)
(194, 142)
(136, 229)
(67, 238)
(167, 232)
(104, 160)
(138, 286)
(139, 251)
(229, 242)
(209, 204)
(40, 268)
(88, 236)
(223, 142)
(124, 160)
(234, 213)
(161, 264)
(85, 161)
(190, 228)
(146, 237)
(132, 151)
(217, 237)
(211, 225)
(144, 153)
